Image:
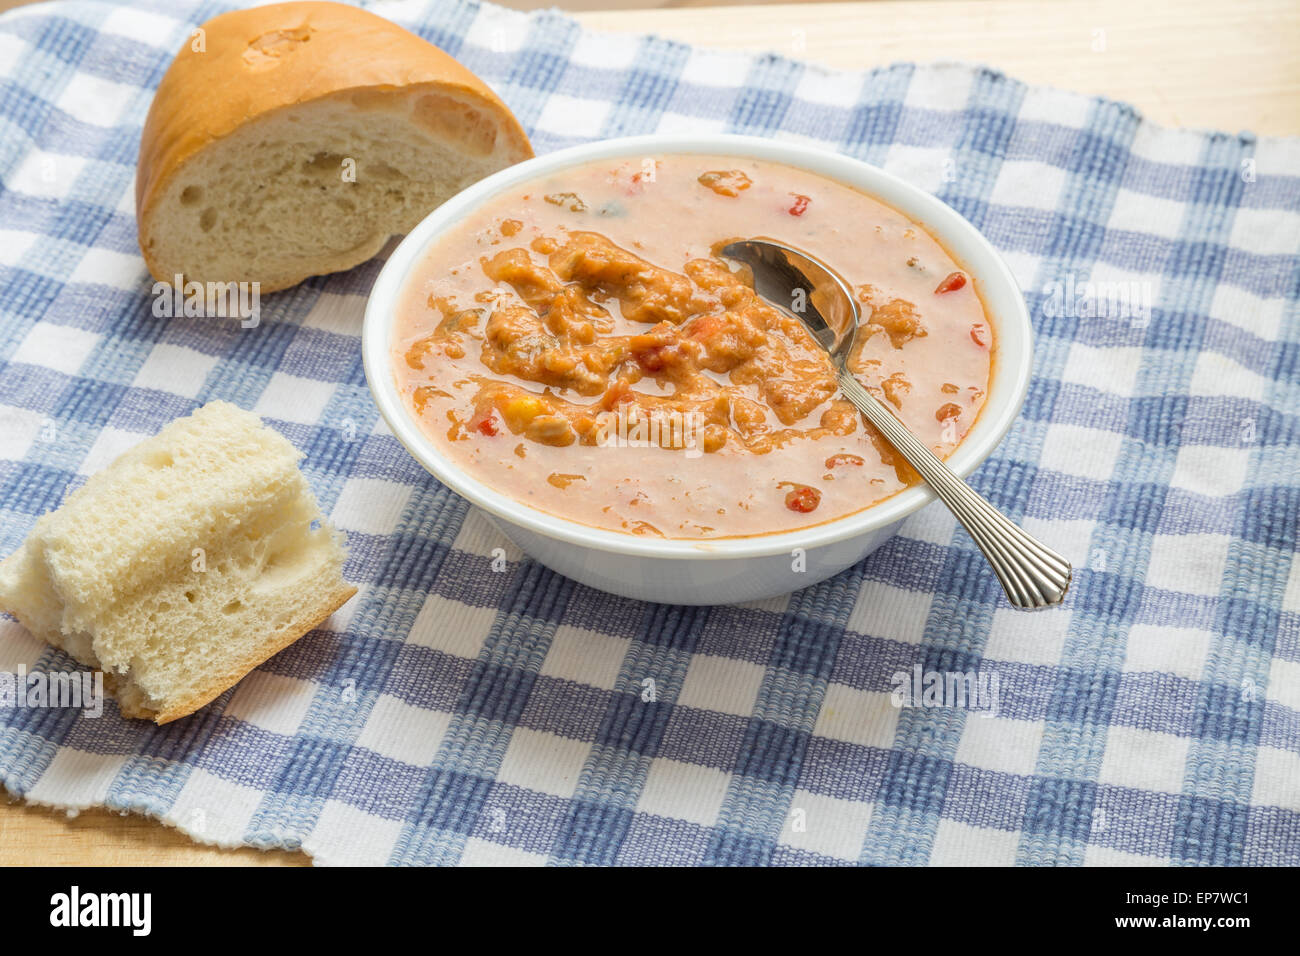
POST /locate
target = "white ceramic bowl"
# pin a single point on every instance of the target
(719, 571)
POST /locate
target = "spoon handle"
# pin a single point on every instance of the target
(1033, 575)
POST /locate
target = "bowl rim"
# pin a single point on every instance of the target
(962, 240)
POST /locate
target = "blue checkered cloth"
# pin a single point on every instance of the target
(450, 714)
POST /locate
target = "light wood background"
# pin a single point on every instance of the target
(1224, 64)
(1210, 64)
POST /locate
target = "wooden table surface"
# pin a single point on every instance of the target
(1224, 64)
(1216, 64)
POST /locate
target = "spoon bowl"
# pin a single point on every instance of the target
(803, 286)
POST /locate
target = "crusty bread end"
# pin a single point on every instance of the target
(300, 138)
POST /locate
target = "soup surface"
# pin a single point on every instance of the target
(578, 345)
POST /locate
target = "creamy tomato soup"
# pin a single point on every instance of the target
(578, 344)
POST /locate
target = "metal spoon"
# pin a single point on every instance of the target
(1033, 575)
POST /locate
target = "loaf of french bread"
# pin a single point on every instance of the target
(294, 139)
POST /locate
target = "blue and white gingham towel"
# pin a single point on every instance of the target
(455, 715)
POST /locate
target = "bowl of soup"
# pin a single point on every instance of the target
(564, 345)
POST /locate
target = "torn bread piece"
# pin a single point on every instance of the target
(191, 559)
